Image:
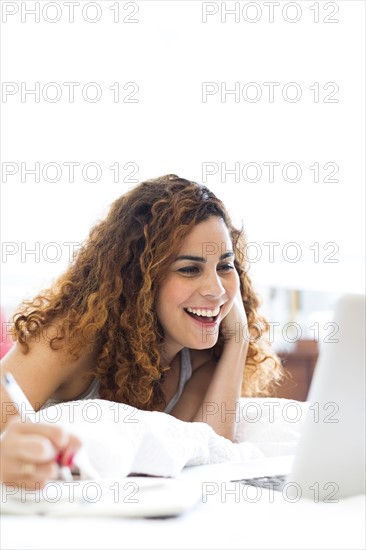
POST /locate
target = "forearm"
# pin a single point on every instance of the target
(220, 402)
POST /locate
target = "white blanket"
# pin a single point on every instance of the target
(119, 440)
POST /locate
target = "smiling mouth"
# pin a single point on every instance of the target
(202, 318)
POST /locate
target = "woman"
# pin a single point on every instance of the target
(157, 311)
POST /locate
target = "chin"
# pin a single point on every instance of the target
(211, 342)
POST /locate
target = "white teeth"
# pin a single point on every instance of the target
(204, 312)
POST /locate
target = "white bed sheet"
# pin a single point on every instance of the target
(211, 525)
(222, 520)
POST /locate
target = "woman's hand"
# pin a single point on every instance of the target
(234, 325)
(29, 452)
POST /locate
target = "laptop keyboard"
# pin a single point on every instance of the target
(276, 482)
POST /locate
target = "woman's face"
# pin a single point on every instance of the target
(199, 289)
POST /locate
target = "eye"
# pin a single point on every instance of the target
(226, 267)
(189, 270)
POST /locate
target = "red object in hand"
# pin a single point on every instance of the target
(5, 340)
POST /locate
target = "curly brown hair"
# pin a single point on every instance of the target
(108, 293)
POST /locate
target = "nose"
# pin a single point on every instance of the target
(211, 285)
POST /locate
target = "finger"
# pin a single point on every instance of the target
(33, 448)
(38, 449)
(38, 472)
(42, 474)
(67, 455)
(56, 434)
(29, 475)
(32, 442)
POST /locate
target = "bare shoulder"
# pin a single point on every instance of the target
(44, 370)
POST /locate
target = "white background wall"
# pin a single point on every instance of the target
(169, 52)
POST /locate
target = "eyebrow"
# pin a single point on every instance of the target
(203, 260)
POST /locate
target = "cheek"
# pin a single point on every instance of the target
(171, 294)
(234, 285)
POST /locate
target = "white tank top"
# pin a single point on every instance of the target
(93, 391)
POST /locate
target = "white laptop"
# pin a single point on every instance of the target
(332, 449)
(330, 457)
